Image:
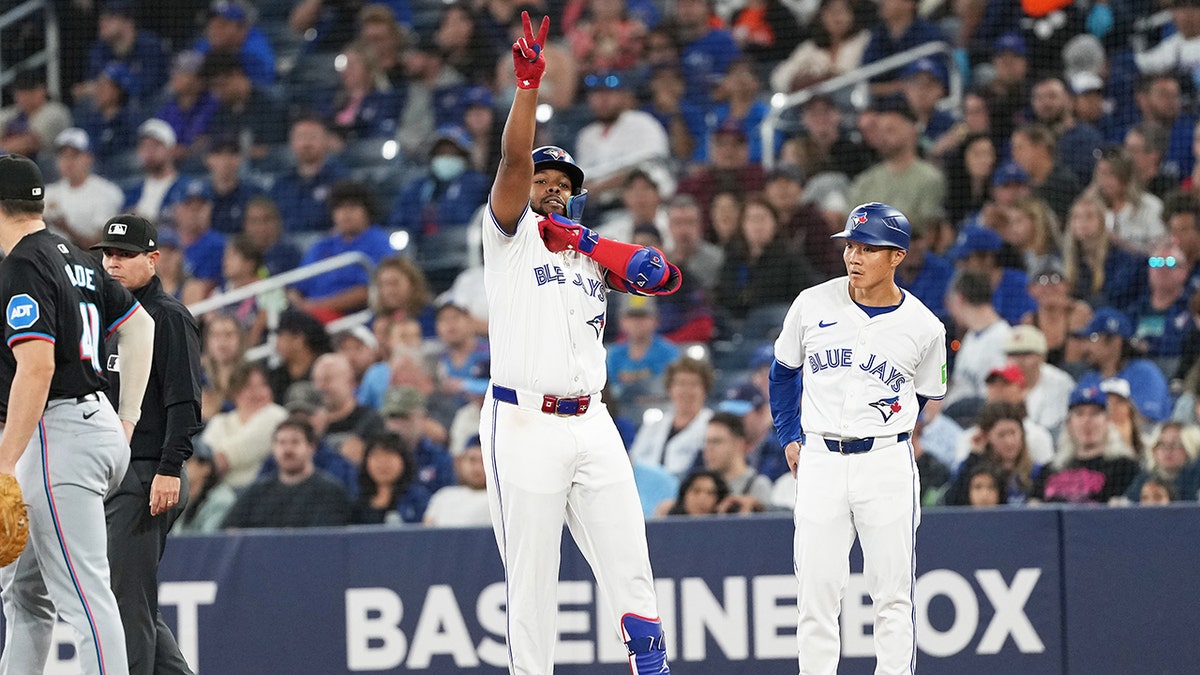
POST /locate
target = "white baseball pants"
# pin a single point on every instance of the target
(873, 494)
(544, 470)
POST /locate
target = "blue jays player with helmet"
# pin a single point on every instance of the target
(870, 355)
(552, 452)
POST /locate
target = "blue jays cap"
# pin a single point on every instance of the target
(453, 134)
(742, 399)
(477, 95)
(121, 75)
(1009, 172)
(1009, 42)
(20, 178)
(927, 66)
(1087, 396)
(975, 240)
(229, 9)
(196, 188)
(118, 8)
(1107, 321)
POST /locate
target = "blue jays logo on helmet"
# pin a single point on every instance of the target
(559, 154)
(887, 407)
(554, 157)
(876, 224)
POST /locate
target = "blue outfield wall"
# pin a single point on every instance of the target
(1030, 591)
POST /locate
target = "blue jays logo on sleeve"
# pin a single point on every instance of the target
(22, 312)
(887, 407)
(597, 322)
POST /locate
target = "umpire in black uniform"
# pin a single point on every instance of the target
(154, 491)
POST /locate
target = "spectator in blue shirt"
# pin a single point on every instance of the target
(1160, 100)
(743, 106)
(449, 194)
(977, 248)
(1161, 315)
(706, 52)
(202, 248)
(229, 31)
(1098, 270)
(300, 193)
(925, 84)
(365, 105)
(189, 107)
(230, 191)
(245, 109)
(636, 365)
(343, 290)
(1077, 141)
(107, 116)
(118, 39)
(264, 226)
(924, 273)
(404, 413)
(1110, 353)
(899, 30)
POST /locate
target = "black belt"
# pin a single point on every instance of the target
(853, 446)
(78, 399)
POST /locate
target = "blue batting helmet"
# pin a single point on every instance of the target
(877, 224)
(554, 157)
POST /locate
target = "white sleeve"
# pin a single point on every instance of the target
(931, 371)
(789, 346)
(1159, 59)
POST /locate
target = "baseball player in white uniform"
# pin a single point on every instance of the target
(870, 356)
(551, 450)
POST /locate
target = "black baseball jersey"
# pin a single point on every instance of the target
(163, 434)
(52, 290)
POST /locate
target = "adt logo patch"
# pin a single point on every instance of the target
(22, 312)
(887, 407)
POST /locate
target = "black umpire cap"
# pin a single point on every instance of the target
(128, 232)
(20, 178)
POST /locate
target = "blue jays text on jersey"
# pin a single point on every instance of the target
(549, 274)
(844, 358)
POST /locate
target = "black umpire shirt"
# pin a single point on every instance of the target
(54, 291)
(171, 407)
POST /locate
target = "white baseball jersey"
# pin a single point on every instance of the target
(529, 289)
(861, 374)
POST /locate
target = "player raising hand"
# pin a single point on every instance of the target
(551, 449)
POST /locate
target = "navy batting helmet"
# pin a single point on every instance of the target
(877, 224)
(554, 157)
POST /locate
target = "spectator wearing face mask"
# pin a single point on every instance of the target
(448, 194)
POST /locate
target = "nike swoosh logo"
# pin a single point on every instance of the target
(822, 324)
(88, 416)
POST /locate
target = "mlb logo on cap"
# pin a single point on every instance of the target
(117, 228)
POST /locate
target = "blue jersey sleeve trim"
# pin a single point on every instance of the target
(496, 223)
(785, 388)
(124, 317)
(21, 337)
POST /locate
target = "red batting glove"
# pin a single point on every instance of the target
(560, 234)
(529, 64)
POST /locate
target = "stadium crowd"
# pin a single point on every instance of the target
(1054, 196)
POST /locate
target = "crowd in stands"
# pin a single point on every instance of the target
(1046, 162)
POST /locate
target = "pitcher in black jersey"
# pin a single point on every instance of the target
(62, 439)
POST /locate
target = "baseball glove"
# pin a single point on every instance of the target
(14, 523)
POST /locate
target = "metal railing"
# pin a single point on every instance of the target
(48, 56)
(781, 102)
(270, 293)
